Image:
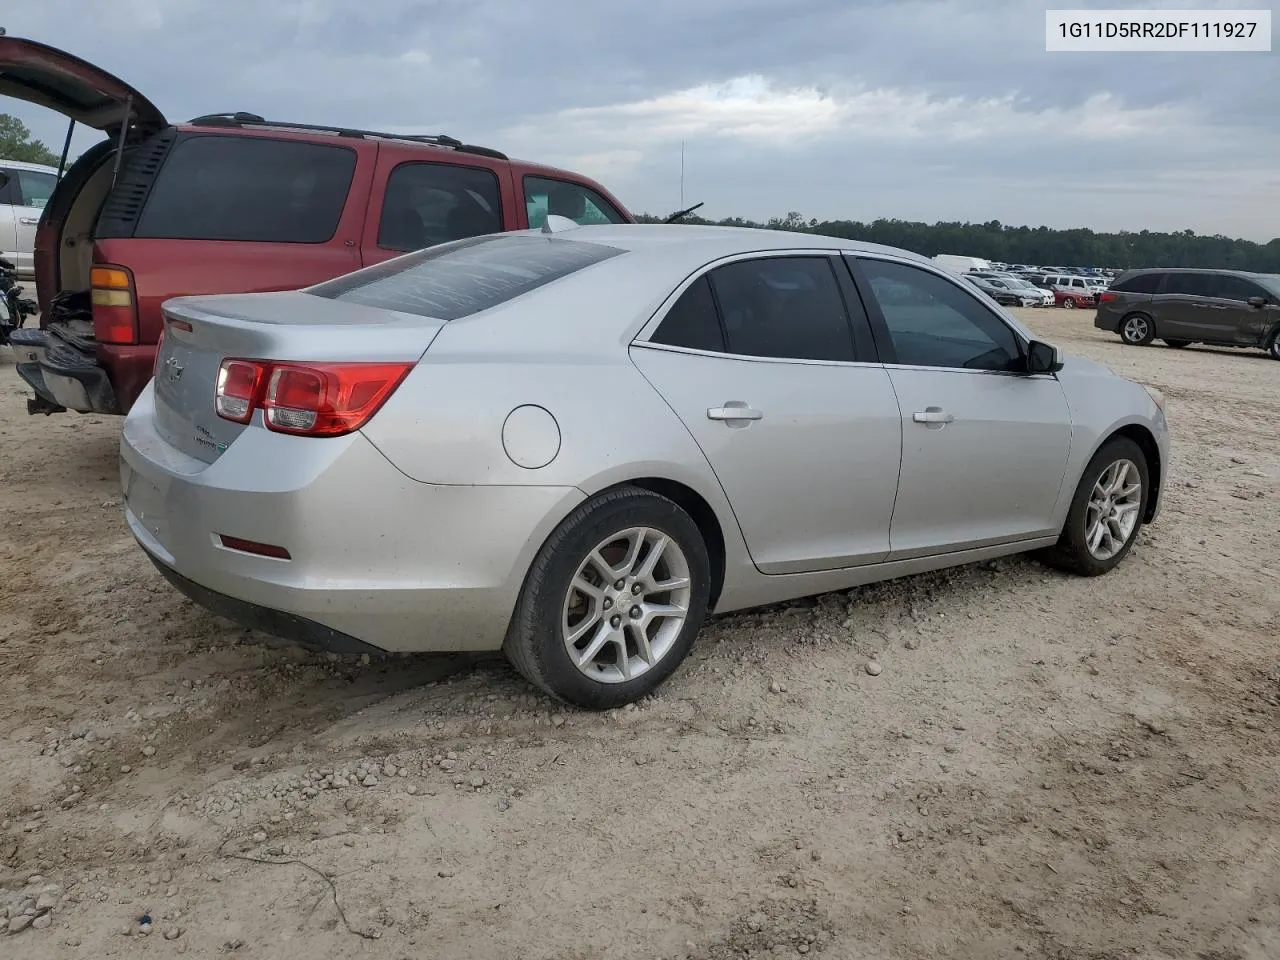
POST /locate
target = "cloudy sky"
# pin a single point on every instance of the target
(915, 109)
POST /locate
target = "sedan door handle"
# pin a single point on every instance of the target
(733, 410)
(932, 415)
(28, 221)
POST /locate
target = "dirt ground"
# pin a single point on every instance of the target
(1046, 767)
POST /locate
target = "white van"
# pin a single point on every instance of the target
(24, 190)
(957, 264)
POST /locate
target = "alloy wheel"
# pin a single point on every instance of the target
(626, 605)
(1136, 329)
(1113, 508)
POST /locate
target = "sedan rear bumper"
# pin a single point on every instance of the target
(374, 557)
(278, 623)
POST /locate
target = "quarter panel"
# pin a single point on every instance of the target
(445, 422)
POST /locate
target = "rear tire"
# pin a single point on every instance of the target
(627, 640)
(1176, 344)
(1104, 498)
(1137, 329)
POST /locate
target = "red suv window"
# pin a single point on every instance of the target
(430, 203)
(581, 204)
(249, 188)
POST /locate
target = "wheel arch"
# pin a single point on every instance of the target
(703, 515)
(1146, 442)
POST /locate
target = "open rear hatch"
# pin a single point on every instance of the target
(85, 94)
(75, 88)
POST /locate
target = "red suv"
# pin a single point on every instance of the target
(232, 203)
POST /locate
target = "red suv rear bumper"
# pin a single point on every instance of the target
(68, 373)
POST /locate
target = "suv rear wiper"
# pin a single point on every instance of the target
(681, 214)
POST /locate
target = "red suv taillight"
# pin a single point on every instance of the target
(308, 399)
(115, 304)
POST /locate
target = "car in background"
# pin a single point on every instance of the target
(1019, 282)
(1069, 283)
(25, 189)
(1224, 308)
(414, 456)
(232, 203)
(1010, 291)
(1074, 298)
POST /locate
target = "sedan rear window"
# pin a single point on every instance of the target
(458, 279)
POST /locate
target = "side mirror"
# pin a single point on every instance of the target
(1258, 302)
(1043, 357)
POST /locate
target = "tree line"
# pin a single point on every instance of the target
(1039, 246)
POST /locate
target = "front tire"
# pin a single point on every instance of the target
(1069, 303)
(1137, 330)
(613, 601)
(1273, 348)
(1106, 512)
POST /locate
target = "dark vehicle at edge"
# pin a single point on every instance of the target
(1222, 308)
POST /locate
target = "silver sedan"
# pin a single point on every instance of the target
(576, 443)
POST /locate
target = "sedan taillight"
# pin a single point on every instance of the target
(1107, 297)
(307, 399)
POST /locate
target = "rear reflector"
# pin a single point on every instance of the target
(307, 399)
(115, 311)
(252, 546)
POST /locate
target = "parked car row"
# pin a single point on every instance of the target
(1010, 291)
(1027, 287)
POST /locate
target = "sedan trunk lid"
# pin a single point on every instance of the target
(201, 332)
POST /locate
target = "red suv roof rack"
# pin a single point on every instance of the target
(242, 119)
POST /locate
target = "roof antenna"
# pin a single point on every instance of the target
(681, 174)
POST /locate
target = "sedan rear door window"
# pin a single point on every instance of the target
(692, 322)
(783, 307)
(932, 322)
